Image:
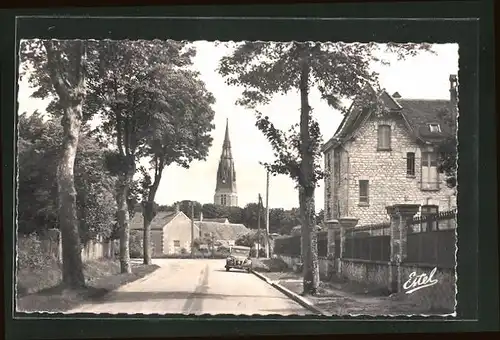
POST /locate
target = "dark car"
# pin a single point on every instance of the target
(239, 258)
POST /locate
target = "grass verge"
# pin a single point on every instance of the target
(102, 277)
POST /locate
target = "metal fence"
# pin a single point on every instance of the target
(430, 243)
(366, 247)
(440, 221)
(322, 243)
(369, 242)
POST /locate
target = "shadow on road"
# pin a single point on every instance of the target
(122, 297)
(232, 271)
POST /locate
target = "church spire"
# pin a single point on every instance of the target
(226, 146)
(225, 190)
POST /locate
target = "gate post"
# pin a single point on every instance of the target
(401, 214)
(333, 226)
(345, 223)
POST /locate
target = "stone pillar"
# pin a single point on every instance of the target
(401, 215)
(332, 225)
(345, 223)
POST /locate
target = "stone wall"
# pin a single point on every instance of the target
(370, 272)
(386, 173)
(50, 245)
(293, 261)
(439, 297)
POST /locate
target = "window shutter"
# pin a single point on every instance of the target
(410, 164)
(363, 191)
(384, 136)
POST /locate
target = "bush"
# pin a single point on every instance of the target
(270, 265)
(136, 242)
(253, 252)
(31, 254)
(36, 268)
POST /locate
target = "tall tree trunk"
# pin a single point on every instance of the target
(307, 186)
(70, 88)
(123, 224)
(148, 214)
(68, 221)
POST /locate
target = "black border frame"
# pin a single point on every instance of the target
(468, 23)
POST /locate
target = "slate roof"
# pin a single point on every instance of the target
(417, 113)
(218, 220)
(420, 113)
(159, 221)
(222, 231)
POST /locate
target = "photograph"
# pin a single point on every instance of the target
(195, 177)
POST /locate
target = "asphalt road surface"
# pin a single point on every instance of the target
(196, 286)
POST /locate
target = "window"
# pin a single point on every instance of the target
(430, 178)
(410, 164)
(177, 243)
(384, 137)
(434, 128)
(223, 200)
(363, 192)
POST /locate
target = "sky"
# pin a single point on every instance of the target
(424, 76)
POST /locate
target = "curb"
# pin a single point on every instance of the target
(294, 296)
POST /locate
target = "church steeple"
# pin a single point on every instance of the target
(225, 189)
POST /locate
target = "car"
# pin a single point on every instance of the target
(239, 258)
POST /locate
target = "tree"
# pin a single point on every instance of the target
(39, 145)
(95, 190)
(236, 215)
(215, 211)
(337, 71)
(182, 137)
(185, 207)
(447, 162)
(320, 217)
(59, 68)
(276, 217)
(250, 239)
(290, 220)
(119, 93)
(250, 216)
(38, 148)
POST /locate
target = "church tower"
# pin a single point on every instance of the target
(225, 189)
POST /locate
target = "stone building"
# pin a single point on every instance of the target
(170, 231)
(225, 189)
(377, 160)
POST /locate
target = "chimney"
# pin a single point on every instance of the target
(201, 216)
(453, 101)
(177, 208)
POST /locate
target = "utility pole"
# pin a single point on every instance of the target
(258, 226)
(267, 215)
(192, 229)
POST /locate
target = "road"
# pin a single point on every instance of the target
(195, 286)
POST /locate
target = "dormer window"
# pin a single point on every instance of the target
(434, 128)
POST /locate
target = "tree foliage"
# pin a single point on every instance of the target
(39, 143)
(447, 162)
